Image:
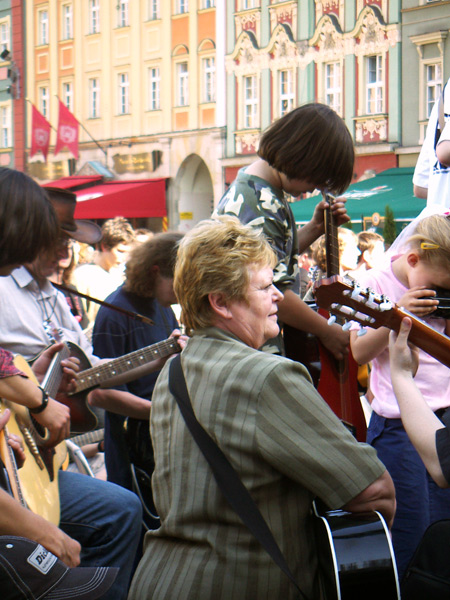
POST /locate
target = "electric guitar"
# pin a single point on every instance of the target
(345, 298)
(35, 485)
(82, 419)
(356, 558)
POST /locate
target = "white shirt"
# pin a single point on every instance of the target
(429, 173)
(32, 317)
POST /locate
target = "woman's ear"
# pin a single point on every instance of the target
(219, 305)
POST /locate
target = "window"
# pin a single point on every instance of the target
(122, 16)
(250, 102)
(94, 16)
(4, 36)
(44, 101)
(153, 10)
(153, 89)
(43, 27)
(182, 6)
(434, 85)
(182, 84)
(94, 98)
(248, 4)
(286, 87)
(208, 3)
(67, 22)
(124, 94)
(68, 95)
(5, 127)
(333, 92)
(209, 79)
(374, 85)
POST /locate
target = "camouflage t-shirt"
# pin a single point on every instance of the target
(255, 202)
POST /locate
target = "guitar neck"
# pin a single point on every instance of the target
(331, 239)
(102, 373)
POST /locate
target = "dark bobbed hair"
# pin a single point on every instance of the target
(28, 224)
(311, 142)
(160, 251)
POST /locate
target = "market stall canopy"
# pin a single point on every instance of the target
(130, 199)
(74, 182)
(393, 187)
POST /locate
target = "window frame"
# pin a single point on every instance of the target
(153, 10)
(5, 128)
(250, 103)
(44, 101)
(43, 27)
(67, 94)
(208, 74)
(376, 87)
(331, 92)
(67, 21)
(154, 88)
(94, 16)
(288, 96)
(123, 107)
(182, 86)
(94, 97)
(123, 13)
(5, 44)
(433, 84)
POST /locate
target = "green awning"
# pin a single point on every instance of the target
(393, 187)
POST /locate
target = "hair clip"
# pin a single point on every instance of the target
(429, 246)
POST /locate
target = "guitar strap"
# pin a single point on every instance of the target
(226, 477)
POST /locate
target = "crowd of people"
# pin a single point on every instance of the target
(160, 526)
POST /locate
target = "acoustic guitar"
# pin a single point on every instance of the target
(356, 558)
(35, 485)
(338, 383)
(82, 419)
(345, 298)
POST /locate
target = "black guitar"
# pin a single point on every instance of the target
(356, 558)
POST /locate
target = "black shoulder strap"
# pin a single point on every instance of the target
(226, 477)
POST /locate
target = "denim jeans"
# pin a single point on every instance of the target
(420, 501)
(106, 520)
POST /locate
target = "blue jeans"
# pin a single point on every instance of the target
(106, 520)
(420, 501)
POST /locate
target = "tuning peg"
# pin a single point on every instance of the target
(361, 332)
(332, 320)
(346, 326)
(385, 305)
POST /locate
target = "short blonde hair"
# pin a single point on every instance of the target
(319, 251)
(431, 240)
(215, 257)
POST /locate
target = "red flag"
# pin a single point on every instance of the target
(40, 133)
(67, 134)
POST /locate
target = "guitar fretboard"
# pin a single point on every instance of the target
(97, 375)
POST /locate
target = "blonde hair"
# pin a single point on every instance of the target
(215, 257)
(367, 240)
(431, 240)
(319, 251)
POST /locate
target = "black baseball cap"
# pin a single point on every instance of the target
(29, 571)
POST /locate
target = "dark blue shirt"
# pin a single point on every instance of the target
(116, 334)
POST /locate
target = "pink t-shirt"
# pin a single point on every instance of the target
(432, 378)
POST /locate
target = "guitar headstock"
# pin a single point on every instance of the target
(343, 297)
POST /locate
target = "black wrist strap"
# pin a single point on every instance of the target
(43, 405)
(226, 477)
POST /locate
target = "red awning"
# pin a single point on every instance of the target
(74, 181)
(130, 199)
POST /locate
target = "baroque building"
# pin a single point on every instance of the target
(346, 54)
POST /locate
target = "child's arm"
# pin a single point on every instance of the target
(367, 347)
(418, 419)
(443, 147)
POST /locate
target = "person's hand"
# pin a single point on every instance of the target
(13, 440)
(336, 340)
(404, 357)
(70, 366)
(419, 301)
(61, 545)
(180, 337)
(55, 418)
(338, 210)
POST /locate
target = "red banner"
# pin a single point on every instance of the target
(67, 134)
(40, 133)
